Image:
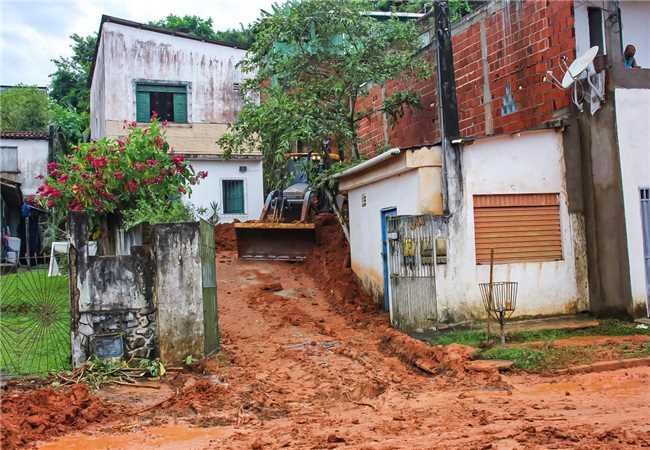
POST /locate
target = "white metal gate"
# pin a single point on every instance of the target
(412, 267)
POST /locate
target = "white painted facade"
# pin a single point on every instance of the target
(633, 128)
(31, 160)
(128, 55)
(393, 184)
(210, 189)
(535, 164)
(635, 16)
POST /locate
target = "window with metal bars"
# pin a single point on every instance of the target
(519, 227)
(233, 196)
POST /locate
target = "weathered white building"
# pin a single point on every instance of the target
(191, 82)
(521, 212)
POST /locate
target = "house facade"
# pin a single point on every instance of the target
(559, 194)
(23, 158)
(193, 84)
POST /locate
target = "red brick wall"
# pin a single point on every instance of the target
(519, 52)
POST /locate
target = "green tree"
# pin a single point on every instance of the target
(310, 62)
(69, 83)
(204, 28)
(24, 108)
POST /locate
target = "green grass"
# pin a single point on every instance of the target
(34, 323)
(523, 358)
(474, 338)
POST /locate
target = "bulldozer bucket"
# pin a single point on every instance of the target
(275, 241)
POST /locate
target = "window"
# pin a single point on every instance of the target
(519, 227)
(233, 196)
(9, 159)
(168, 101)
(596, 29)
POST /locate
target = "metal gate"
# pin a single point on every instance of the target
(412, 265)
(209, 284)
(34, 317)
(645, 221)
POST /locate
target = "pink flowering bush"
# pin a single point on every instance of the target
(109, 176)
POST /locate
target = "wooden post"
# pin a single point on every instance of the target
(490, 292)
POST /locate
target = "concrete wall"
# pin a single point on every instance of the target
(526, 163)
(635, 17)
(634, 149)
(98, 96)
(415, 191)
(179, 293)
(131, 55)
(110, 295)
(210, 189)
(32, 161)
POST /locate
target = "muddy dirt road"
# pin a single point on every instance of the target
(302, 372)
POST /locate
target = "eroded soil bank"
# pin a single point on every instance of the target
(309, 363)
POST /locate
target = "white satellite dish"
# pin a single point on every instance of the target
(578, 66)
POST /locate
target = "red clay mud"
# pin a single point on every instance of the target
(40, 414)
(315, 366)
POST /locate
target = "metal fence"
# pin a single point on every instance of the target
(412, 267)
(34, 317)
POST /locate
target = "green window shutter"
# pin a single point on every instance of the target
(143, 87)
(233, 196)
(180, 108)
(142, 107)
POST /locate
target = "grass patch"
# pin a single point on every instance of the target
(523, 358)
(474, 338)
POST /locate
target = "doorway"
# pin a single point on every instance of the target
(385, 214)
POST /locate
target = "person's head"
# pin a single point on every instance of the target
(630, 50)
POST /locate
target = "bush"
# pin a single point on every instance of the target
(110, 176)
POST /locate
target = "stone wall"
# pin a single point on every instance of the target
(116, 300)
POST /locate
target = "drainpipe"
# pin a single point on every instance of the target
(448, 109)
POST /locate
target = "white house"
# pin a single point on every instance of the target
(191, 82)
(521, 212)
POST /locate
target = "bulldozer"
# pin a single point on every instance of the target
(285, 230)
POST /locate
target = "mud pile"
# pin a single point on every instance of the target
(224, 237)
(196, 395)
(330, 264)
(43, 413)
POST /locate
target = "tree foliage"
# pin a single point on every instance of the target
(309, 63)
(69, 85)
(24, 108)
(457, 8)
(108, 176)
(204, 28)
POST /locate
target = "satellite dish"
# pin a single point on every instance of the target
(578, 66)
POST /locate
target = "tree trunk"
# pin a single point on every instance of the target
(353, 127)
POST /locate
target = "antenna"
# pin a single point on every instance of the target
(575, 71)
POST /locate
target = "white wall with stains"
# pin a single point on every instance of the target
(32, 161)
(524, 163)
(634, 148)
(129, 55)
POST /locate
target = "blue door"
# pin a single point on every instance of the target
(385, 214)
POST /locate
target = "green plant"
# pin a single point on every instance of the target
(155, 211)
(107, 176)
(523, 358)
(24, 108)
(310, 62)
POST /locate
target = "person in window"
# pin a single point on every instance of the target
(628, 57)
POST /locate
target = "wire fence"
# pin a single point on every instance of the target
(34, 317)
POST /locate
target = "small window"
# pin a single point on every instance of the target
(596, 29)
(8, 159)
(233, 196)
(519, 227)
(168, 101)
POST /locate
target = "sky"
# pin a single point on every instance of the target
(32, 32)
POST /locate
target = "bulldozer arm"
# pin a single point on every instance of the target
(275, 241)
